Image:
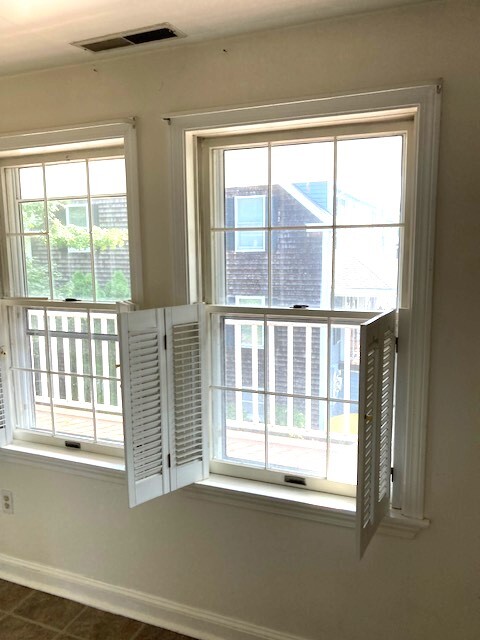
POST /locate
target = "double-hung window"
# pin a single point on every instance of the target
(303, 319)
(66, 272)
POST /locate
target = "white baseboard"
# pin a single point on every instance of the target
(174, 616)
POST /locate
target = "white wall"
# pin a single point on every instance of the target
(285, 574)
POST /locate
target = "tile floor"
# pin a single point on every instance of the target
(26, 614)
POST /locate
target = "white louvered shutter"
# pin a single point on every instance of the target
(377, 371)
(3, 410)
(187, 394)
(144, 394)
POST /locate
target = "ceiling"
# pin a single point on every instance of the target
(35, 34)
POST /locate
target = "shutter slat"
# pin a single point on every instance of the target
(377, 365)
(3, 418)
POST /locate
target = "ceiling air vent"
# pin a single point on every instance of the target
(155, 33)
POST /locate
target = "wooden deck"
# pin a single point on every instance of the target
(290, 453)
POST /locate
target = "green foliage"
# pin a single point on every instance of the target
(79, 286)
(33, 216)
(37, 278)
(74, 237)
(70, 236)
(118, 288)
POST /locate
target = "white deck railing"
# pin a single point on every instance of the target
(299, 372)
(76, 361)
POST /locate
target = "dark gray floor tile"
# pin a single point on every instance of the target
(93, 624)
(12, 594)
(13, 628)
(156, 633)
(50, 610)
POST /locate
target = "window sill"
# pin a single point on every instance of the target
(81, 463)
(297, 503)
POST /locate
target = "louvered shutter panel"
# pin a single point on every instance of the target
(144, 403)
(186, 394)
(3, 411)
(377, 370)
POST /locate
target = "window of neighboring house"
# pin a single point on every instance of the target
(66, 252)
(249, 211)
(77, 214)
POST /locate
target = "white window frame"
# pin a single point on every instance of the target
(60, 144)
(239, 227)
(422, 103)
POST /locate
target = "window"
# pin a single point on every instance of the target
(404, 268)
(249, 212)
(285, 401)
(67, 222)
(342, 358)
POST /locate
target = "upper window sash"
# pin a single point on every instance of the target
(106, 140)
(213, 193)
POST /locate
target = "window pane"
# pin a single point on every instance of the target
(105, 354)
(73, 419)
(108, 411)
(33, 216)
(36, 267)
(26, 414)
(70, 345)
(245, 174)
(343, 438)
(107, 176)
(31, 182)
(239, 427)
(66, 179)
(369, 180)
(344, 362)
(297, 435)
(302, 184)
(366, 268)
(301, 268)
(111, 250)
(297, 358)
(246, 273)
(244, 354)
(72, 273)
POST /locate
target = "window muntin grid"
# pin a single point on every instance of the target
(50, 254)
(68, 377)
(341, 231)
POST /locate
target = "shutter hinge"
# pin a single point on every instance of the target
(169, 461)
(396, 344)
(165, 341)
(392, 473)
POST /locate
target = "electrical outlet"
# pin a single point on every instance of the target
(7, 501)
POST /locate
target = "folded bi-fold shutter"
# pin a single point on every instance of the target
(163, 392)
(144, 395)
(377, 370)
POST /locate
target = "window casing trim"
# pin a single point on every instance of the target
(423, 103)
